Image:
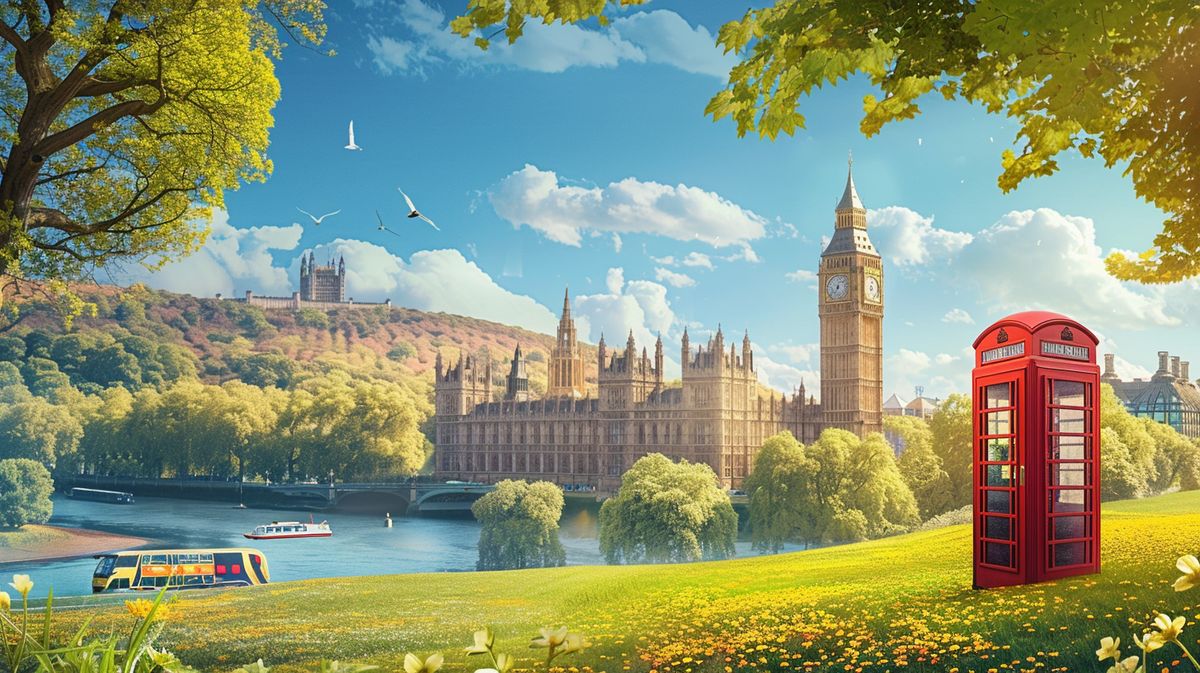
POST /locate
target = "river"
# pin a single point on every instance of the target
(361, 544)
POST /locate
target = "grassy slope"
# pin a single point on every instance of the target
(903, 603)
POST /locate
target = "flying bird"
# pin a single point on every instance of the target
(382, 226)
(352, 146)
(414, 212)
(318, 220)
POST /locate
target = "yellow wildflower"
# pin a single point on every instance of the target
(1190, 567)
(1168, 629)
(141, 608)
(1109, 649)
(551, 638)
(1129, 665)
(1148, 642)
(22, 584)
(413, 664)
(5, 602)
(484, 640)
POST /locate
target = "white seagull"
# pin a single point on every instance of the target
(413, 212)
(318, 220)
(352, 146)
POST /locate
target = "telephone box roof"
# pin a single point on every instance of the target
(1033, 321)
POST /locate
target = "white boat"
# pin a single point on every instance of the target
(282, 530)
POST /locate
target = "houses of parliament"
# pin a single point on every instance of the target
(717, 415)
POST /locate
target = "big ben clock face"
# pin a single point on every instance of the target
(873, 288)
(837, 287)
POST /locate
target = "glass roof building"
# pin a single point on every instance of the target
(1168, 397)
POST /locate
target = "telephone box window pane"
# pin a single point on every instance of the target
(998, 528)
(1067, 447)
(1068, 420)
(998, 554)
(999, 502)
(999, 475)
(1073, 500)
(1068, 474)
(999, 450)
(998, 395)
(999, 422)
(1070, 527)
(1068, 393)
(1070, 554)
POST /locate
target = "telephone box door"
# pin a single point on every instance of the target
(1070, 513)
(999, 479)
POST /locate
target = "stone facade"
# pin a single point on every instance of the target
(716, 415)
(322, 283)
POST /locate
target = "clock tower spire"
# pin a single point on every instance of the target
(851, 312)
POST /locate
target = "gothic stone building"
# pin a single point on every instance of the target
(322, 283)
(716, 415)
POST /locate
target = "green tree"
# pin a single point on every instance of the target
(110, 365)
(311, 317)
(245, 420)
(1119, 477)
(838, 489)
(776, 486)
(920, 467)
(667, 512)
(266, 369)
(520, 526)
(952, 439)
(1107, 78)
(107, 446)
(41, 431)
(125, 122)
(25, 488)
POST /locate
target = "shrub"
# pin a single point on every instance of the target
(25, 488)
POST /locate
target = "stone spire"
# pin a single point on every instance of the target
(850, 198)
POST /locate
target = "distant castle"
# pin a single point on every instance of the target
(325, 283)
(717, 415)
(322, 286)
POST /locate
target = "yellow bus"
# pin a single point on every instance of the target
(152, 569)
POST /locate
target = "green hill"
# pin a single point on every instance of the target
(897, 604)
(221, 335)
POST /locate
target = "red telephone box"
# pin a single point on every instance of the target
(1036, 428)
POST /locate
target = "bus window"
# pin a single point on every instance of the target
(105, 567)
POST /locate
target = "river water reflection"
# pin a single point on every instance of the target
(360, 545)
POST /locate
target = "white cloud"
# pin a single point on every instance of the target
(665, 37)
(785, 377)
(802, 276)
(696, 260)
(907, 238)
(672, 278)
(1041, 259)
(617, 243)
(234, 260)
(958, 315)
(798, 354)
(434, 280)
(1128, 370)
(939, 375)
(639, 306)
(565, 213)
(424, 39)
(231, 260)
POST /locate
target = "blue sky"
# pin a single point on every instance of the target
(582, 157)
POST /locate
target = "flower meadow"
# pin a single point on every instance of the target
(898, 604)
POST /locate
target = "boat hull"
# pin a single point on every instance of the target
(287, 536)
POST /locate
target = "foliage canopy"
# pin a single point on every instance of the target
(520, 526)
(125, 122)
(667, 512)
(1113, 79)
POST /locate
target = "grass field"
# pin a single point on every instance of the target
(903, 603)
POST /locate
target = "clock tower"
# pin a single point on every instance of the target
(851, 311)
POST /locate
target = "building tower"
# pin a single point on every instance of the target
(851, 313)
(322, 283)
(565, 375)
(516, 384)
